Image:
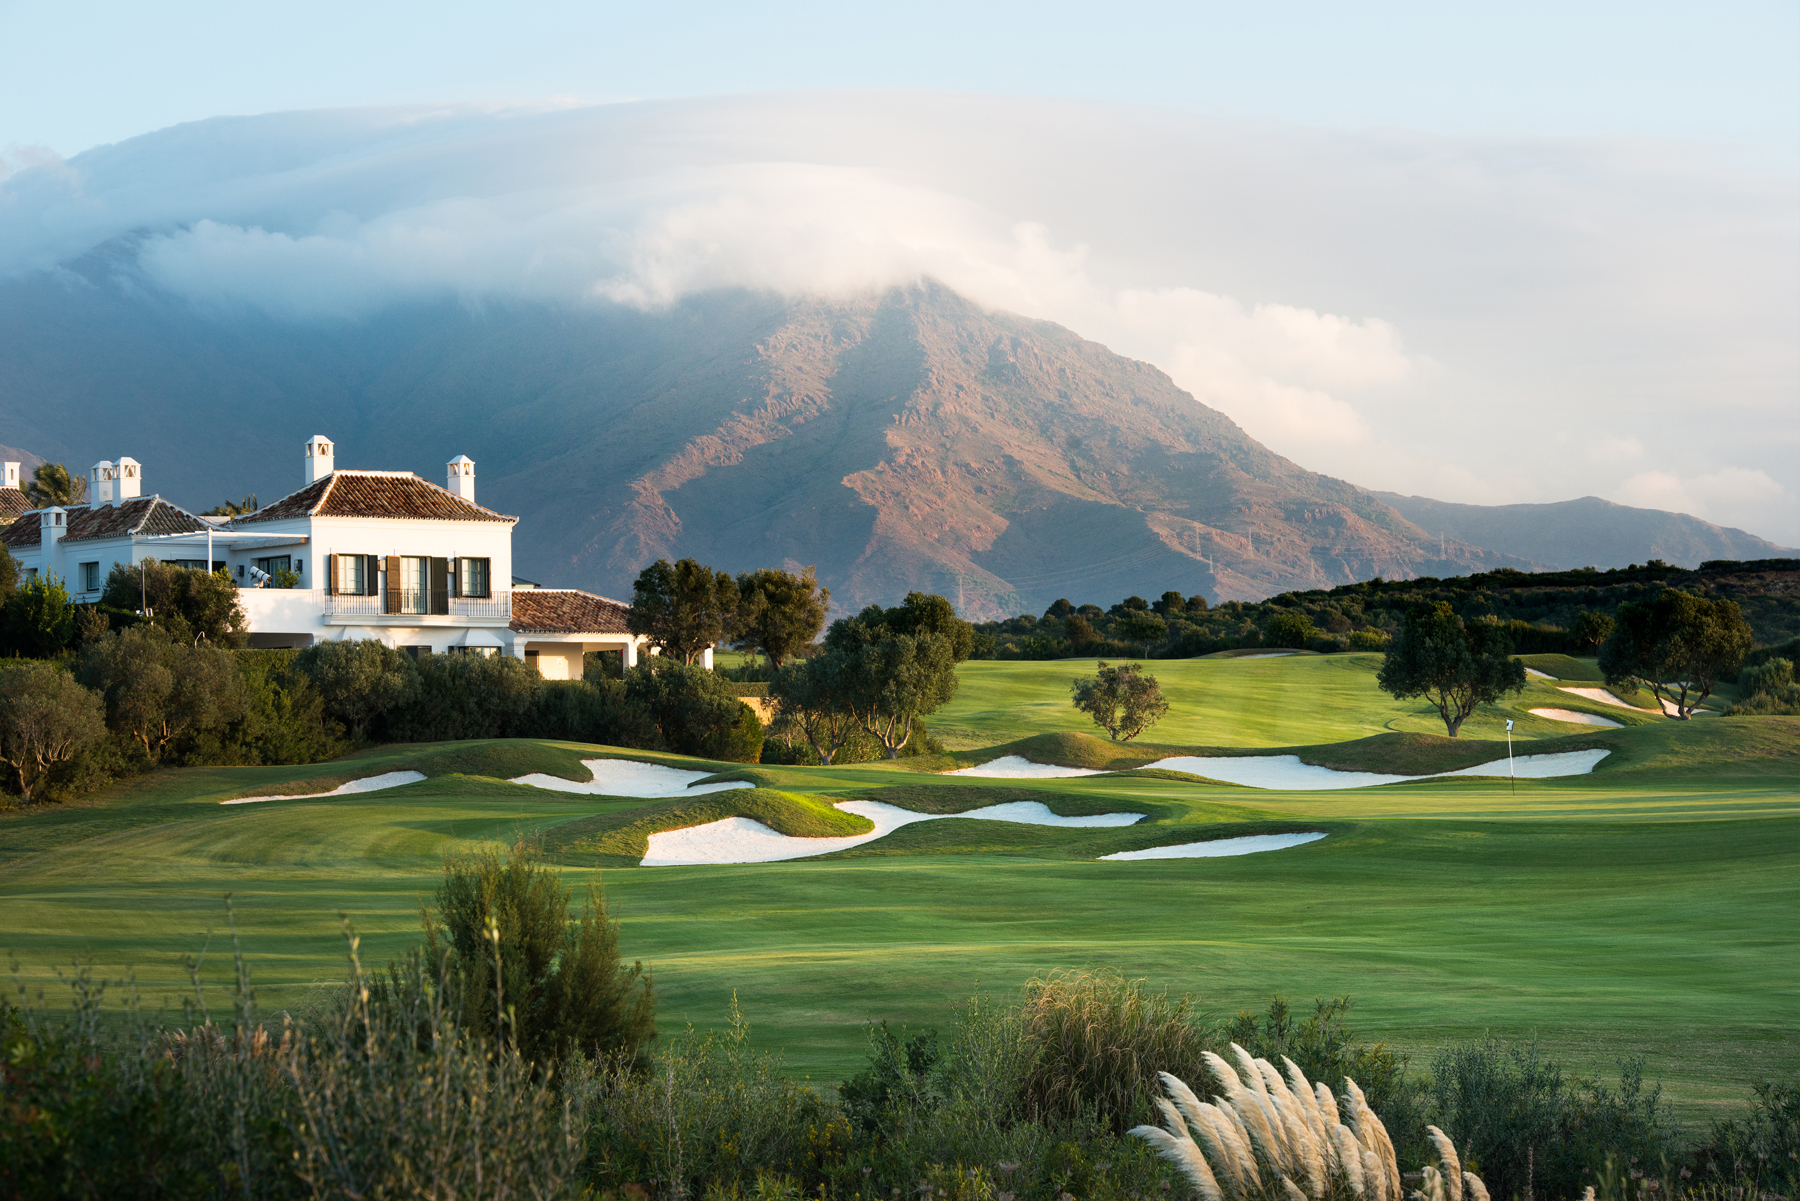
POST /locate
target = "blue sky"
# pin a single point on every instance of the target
(79, 73)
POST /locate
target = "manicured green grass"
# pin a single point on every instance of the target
(1644, 909)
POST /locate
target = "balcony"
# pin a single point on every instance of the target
(414, 603)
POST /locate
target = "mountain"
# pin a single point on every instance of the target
(897, 441)
(1589, 532)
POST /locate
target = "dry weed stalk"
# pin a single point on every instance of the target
(1266, 1136)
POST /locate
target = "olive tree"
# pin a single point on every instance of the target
(192, 605)
(779, 612)
(157, 690)
(896, 665)
(1677, 646)
(1455, 666)
(683, 608)
(1122, 700)
(1592, 629)
(359, 680)
(46, 719)
(813, 699)
(38, 619)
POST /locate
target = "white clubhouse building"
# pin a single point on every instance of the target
(368, 554)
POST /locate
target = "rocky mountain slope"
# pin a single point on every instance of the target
(908, 440)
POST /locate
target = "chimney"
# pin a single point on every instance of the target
(100, 485)
(319, 455)
(129, 476)
(12, 475)
(461, 471)
(52, 525)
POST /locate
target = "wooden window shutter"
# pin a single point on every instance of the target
(392, 599)
(440, 586)
(371, 575)
(330, 575)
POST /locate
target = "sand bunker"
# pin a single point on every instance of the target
(1288, 773)
(745, 840)
(628, 777)
(1542, 675)
(1586, 719)
(392, 779)
(1017, 767)
(1266, 655)
(1218, 848)
(1607, 698)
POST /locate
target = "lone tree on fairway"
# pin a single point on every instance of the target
(1122, 700)
(683, 608)
(46, 718)
(1454, 666)
(1677, 646)
(779, 612)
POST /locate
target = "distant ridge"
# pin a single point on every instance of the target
(1589, 532)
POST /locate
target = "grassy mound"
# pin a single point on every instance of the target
(927, 798)
(1065, 749)
(628, 833)
(497, 759)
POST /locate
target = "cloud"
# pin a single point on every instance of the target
(1426, 314)
(1732, 496)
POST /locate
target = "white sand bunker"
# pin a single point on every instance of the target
(1542, 675)
(1586, 719)
(392, 779)
(1267, 655)
(1607, 698)
(628, 777)
(1288, 773)
(745, 840)
(1017, 767)
(1219, 848)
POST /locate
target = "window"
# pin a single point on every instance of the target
(272, 564)
(472, 577)
(480, 652)
(416, 651)
(352, 575)
(190, 564)
(90, 577)
(415, 575)
(30, 574)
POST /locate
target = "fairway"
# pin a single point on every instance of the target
(1647, 908)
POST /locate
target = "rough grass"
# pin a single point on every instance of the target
(627, 833)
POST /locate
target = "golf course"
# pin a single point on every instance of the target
(1645, 907)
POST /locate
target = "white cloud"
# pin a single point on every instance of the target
(1468, 318)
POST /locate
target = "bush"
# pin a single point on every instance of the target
(1762, 1149)
(161, 693)
(694, 711)
(360, 680)
(38, 619)
(1532, 1131)
(47, 723)
(528, 976)
(1769, 689)
(464, 696)
(1292, 630)
(1367, 640)
(595, 709)
(186, 602)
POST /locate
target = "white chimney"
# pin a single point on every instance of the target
(100, 484)
(461, 471)
(52, 525)
(319, 455)
(12, 475)
(129, 474)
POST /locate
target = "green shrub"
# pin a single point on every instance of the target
(1367, 640)
(530, 977)
(1292, 630)
(594, 709)
(464, 696)
(694, 711)
(1762, 1149)
(38, 619)
(360, 680)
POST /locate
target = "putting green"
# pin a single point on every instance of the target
(1644, 909)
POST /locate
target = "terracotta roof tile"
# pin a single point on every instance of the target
(565, 611)
(13, 502)
(150, 515)
(373, 494)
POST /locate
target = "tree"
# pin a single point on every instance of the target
(1172, 604)
(1591, 629)
(9, 576)
(39, 618)
(1080, 631)
(813, 700)
(359, 680)
(560, 985)
(234, 508)
(899, 664)
(1454, 666)
(1290, 629)
(683, 609)
(157, 690)
(188, 603)
(1677, 646)
(1122, 700)
(52, 484)
(1142, 626)
(46, 719)
(779, 612)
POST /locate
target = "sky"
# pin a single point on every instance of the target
(1490, 256)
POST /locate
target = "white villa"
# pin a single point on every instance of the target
(369, 554)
